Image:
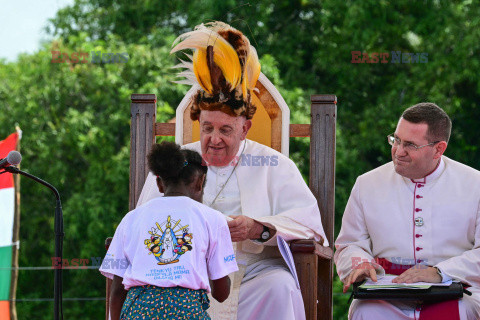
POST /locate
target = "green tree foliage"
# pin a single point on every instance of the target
(75, 116)
(75, 119)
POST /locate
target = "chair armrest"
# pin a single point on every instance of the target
(311, 246)
(107, 242)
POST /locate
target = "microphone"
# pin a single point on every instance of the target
(8, 165)
(13, 159)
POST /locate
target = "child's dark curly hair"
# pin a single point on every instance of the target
(172, 164)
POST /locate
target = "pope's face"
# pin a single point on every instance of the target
(413, 164)
(221, 135)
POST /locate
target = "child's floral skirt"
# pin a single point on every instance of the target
(151, 302)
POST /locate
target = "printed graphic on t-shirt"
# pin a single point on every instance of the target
(167, 243)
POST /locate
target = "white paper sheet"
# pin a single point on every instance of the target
(287, 256)
(385, 282)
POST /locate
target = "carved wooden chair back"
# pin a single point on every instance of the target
(271, 126)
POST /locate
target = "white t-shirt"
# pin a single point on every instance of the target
(169, 242)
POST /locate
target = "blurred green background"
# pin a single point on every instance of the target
(75, 116)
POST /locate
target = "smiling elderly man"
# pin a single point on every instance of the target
(422, 208)
(263, 199)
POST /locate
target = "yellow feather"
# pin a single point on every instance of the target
(226, 58)
(244, 85)
(200, 68)
(224, 55)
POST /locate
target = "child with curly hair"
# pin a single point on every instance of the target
(169, 252)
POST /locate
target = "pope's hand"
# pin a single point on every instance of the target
(362, 271)
(419, 273)
(243, 228)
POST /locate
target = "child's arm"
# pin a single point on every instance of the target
(220, 288)
(117, 297)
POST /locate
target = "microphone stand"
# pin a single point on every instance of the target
(58, 228)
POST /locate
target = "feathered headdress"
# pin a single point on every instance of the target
(225, 66)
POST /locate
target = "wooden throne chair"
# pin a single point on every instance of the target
(271, 126)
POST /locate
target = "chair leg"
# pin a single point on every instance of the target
(307, 265)
(325, 283)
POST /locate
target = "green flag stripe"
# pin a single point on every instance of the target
(5, 271)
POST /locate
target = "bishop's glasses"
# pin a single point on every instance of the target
(408, 146)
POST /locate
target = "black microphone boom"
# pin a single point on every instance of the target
(14, 158)
(59, 234)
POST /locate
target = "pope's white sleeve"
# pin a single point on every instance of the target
(465, 267)
(295, 210)
(353, 243)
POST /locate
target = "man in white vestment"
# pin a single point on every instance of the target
(261, 190)
(420, 209)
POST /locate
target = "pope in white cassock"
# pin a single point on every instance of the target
(261, 190)
(421, 208)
